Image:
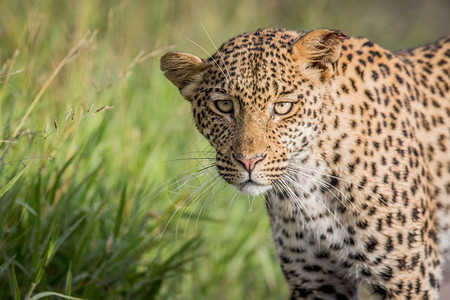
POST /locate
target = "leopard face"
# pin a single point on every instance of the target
(261, 109)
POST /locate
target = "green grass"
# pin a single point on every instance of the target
(96, 147)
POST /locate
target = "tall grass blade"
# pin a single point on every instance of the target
(43, 261)
(10, 184)
(6, 265)
(118, 223)
(65, 235)
(68, 289)
(14, 279)
(37, 222)
(48, 294)
(57, 182)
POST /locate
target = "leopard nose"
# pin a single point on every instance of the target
(248, 163)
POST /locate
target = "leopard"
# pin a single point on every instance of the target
(347, 142)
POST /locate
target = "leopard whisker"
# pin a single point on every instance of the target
(205, 203)
(230, 82)
(292, 180)
(177, 158)
(378, 196)
(282, 186)
(157, 191)
(266, 202)
(194, 176)
(215, 62)
(233, 198)
(188, 159)
(188, 201)
(299, 173)
(300, 205)
(201, 152)
(218, 52)
(327, 186)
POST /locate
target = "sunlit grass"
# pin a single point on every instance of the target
(99, 198)
(91, 137)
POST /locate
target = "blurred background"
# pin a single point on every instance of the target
(106, 189)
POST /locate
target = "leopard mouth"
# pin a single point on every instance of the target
(252, 188)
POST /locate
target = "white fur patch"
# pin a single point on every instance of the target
(253, 189)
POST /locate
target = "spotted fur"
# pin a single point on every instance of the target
(356, 176)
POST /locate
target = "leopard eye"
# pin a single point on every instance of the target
(224, 106)
(283, 108)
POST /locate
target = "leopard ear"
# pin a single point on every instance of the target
(319, 51)
(183, 70)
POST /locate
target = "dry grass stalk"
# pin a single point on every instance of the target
(84, 41)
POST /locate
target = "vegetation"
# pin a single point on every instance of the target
(106, 189)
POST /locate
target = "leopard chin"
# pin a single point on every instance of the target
(252, 188)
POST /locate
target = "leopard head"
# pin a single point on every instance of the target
(258, 100)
